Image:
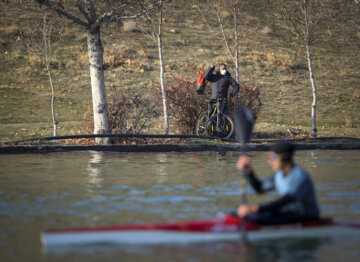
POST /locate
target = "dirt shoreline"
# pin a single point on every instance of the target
(25, 149)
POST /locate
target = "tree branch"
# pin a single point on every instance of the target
(203, 17)
(92, 10)
(30, 47)
(81, 6)
(145, 31)
(218, 13)
(109, 16)
(63, 13)
(339, 12)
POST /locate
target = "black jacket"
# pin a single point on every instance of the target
(220, 84)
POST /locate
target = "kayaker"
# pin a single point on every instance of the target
(297, 199)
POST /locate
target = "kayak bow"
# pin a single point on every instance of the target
(221, 229)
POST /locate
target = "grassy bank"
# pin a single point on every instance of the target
(269, 60)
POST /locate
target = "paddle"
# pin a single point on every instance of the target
(244, 124)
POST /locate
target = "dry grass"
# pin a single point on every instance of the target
(266, 30)
(129, 25)
(268, 60)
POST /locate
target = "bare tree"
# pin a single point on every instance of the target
(152, 27)
(47, 52)
(302, 18)
(92, 15)
(230, 23)
(231, 41)
(40, 46)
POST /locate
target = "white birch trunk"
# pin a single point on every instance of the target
(100, 110)
(311, 71)
(236, 36)
(48, 69)
(237, 72)
(47, 52)
(162, 81)
(314, 91)
(55, 122)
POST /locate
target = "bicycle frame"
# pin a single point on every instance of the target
(216, 107)
(217, 111)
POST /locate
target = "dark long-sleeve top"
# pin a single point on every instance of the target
(220, 83)
(295, 190)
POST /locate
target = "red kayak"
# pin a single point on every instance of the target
(226, 228)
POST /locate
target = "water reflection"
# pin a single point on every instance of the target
(221, 156)
(96, 170)
(314, 159)
(162, 174)
(270, 250)
(285, 249)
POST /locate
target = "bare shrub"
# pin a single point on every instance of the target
(133, 114)
(249, 97)
(128, 114)
(184, 103)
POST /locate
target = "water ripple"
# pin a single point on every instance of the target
(170, 199)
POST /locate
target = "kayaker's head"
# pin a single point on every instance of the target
(281, 155)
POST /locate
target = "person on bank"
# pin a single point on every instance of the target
(296, 200)
(220, 83)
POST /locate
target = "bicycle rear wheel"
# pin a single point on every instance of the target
(201, 124)
(220, 126)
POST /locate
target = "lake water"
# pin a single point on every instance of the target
(42, 191)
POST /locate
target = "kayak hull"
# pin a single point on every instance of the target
(223, 229)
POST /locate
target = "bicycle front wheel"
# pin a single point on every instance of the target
(201, 124)
(220, 126)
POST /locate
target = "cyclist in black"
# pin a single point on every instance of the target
(220, 83)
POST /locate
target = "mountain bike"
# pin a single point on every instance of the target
(213, 122)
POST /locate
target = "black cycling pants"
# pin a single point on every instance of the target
(223, 107)
(273, 218)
